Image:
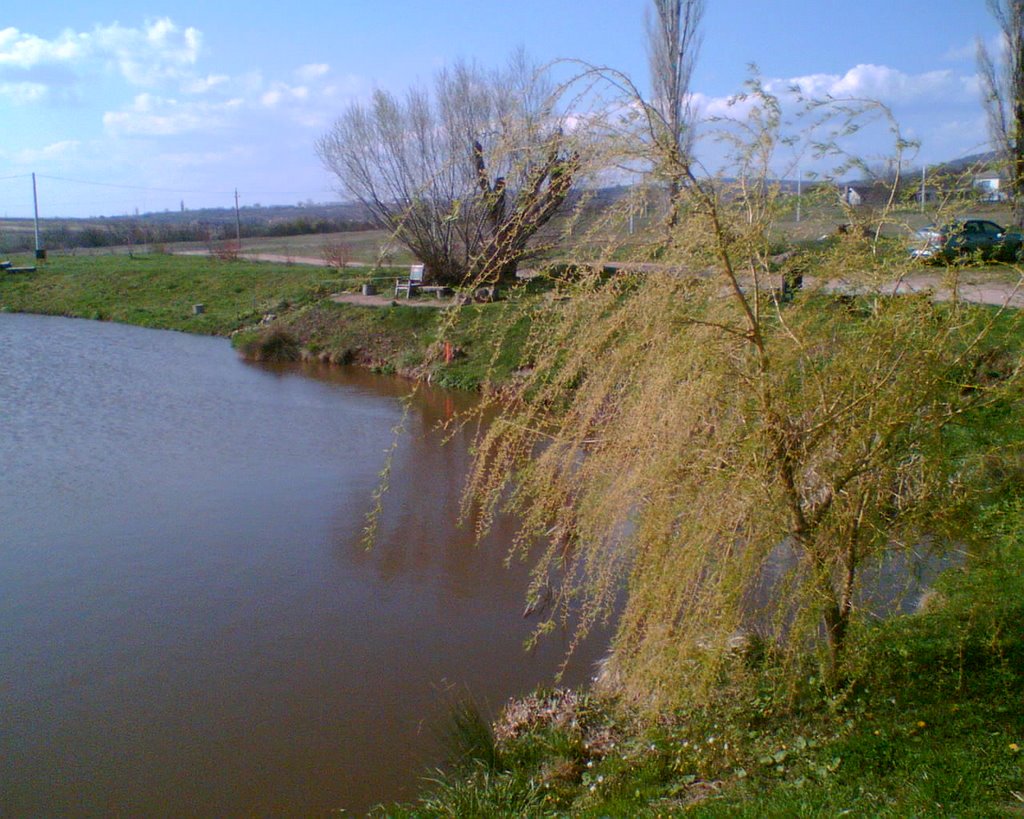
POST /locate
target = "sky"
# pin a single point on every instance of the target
(149, 105)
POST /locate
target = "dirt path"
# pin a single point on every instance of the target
(994, 293)
(385, 300)
(277, 258)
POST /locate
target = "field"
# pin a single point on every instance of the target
(363, 247)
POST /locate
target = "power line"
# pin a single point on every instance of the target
(131, 187)
(171, 190)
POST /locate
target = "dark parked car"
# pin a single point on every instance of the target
(969, 237)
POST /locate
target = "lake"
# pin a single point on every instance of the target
(189, 621)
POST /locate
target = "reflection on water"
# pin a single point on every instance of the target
(189, 623)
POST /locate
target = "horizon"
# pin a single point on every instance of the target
(910, 177)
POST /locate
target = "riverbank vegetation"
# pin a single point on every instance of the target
(925, 716)
(727, 450)
(161, 290)
(929, 722)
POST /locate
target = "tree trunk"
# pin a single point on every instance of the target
(836, 616)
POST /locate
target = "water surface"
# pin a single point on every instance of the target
(189, 623)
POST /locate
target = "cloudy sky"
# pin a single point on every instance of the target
(119, 106)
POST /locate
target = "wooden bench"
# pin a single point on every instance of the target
(414, 281)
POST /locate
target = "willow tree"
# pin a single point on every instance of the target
(704, 461)
(1002, 83)
(464, 175)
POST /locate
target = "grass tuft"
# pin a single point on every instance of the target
(272, 345)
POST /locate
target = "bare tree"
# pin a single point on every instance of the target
(1003, 87)
(673, 43)
(464, 176)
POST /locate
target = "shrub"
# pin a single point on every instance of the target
(337, 254)
(271, 345)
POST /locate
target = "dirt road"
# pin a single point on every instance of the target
(997, 293)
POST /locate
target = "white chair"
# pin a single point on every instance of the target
(415, 280)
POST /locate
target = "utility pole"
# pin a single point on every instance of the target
(632, 201)
(799, 191)
(923, 171)
(40, 253)
(238, 223)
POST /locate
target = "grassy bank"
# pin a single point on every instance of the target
(253, 300)
(930, 724)
(406, 340)
(160, 290)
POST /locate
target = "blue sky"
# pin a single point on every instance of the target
(119, 106)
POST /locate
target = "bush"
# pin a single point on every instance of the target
(225, 251)
(271, 345)
(337, 254)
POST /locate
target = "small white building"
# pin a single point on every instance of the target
(990, 187)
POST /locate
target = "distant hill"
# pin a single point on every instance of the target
(965, 163)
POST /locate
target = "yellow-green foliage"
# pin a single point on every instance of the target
(709, 458)
(655, 448)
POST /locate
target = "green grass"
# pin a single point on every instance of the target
(160, 291)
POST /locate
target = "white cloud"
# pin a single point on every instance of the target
(143, 56)
(162, 58)
(23, 93)
(151, 115)
(939, 108)
(724, 107)
(878, 82)
(203, 85)
(24, 51)
(865, 82)
(280, 92)
(66, 149)
(309, 73)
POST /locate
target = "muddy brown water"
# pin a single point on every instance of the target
(189, 622)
